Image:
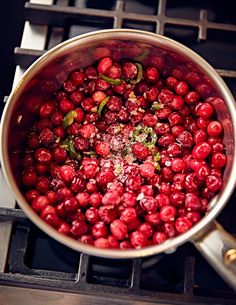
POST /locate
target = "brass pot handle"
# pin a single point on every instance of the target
(219, 249)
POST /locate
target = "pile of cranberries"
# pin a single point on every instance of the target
(123, 157)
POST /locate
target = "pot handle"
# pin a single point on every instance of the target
(219, 249)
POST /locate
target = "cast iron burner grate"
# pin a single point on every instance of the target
(183, 277)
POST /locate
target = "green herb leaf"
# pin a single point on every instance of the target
(111, 81)
(68, 145)
(69, 118)
(140, 74)
(157, 106)
(145, 135)
(143, 55)
(157, 166)
(157, 157)
(102, 104)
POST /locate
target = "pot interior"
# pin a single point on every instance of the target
(47, 74)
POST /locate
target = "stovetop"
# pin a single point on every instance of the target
(35, 269)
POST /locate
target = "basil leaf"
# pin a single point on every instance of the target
(111, 81)
(140, 74)
(69, 118)
(157, 106)
(102, 104)
(68, 145)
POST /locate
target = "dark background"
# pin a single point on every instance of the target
(11, 28)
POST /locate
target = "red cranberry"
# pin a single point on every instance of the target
(191, 182)
(152, 74)
(104, 64)
(185, 139)
(87, 239)
(202, 123)
(30, 195)
(177, 102)
(77, 77)
(40, 203)
(181, 88)
(129, 70)
(214, 129)
(153, 219)
(162, 128)
(83, 199)
(29, 178)
(193, 216)
(192, 202)
(214, 183)
(162, 200)
(202, 172)
(175, 118)
(159, 238)
(102, 148)
(64, 228)
(43, 155)
(99, 230)
(177, 199)
(140, 151)
(129, 199)
(138, 239)
(191, 97)
(200, 136)
(147, 169)
(104, 177)
(171, 82)
(218, 160)
(169, 229)
(201, 151)
(107, 213)
(178, 165)
(167, 213)
(183, 224)
(79, 228)
(111, 198)
(53, 220)
(66, 173)
(146, 229)
(47, 109)
(205, 110)
(118, 229)
(71, 205)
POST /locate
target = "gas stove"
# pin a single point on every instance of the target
(35, 269)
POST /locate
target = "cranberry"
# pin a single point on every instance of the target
(185, 139)
(191, 182)
(129, 199)
(192, 202)
(104, 64)
(64, 228)
(129, 70)
(201, 151)
(66, 173)
(159, 238)
(111, 198)
(169, 229)
(29, 178)
(104, 177)
(214, 128)
(87, 239)
(171, 82)
(177, 130)
(162, 200)
(205, 110)
(90, 167)
(178, 165)
(162, 128)
(147, 190)
(43, 184)
(70, 205)
(147, 169)
(181, 88)
(102, 148)
(79, 228)
(166, 140)
(99, 230)
(183, 224)
(30, 195)
(83, 199)
(152, 94)
(174, 150)
(146, 229)
(177, 102)
(202, 172)
(191, 97)
(102, 243)
(53, 220)
(92, 215)
(218, 160)
(138, 239)
(59, 154)
(40, 203)
(140, 151)
(47, 109)
(214, 183)
(175, 118)
(125, 245)
(43, 155)
(202, 123)
(193, 216)
(118, 229)
(177, 199)
(77, 77)
(200, 136)
(167, 213)
(166, 96)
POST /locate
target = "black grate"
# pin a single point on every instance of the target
(182, 277)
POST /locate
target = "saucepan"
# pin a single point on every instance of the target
(47, 74)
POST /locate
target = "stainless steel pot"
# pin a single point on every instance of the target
(47, 74)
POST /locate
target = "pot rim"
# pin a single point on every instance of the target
(170, 244)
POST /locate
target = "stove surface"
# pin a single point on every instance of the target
(46, 271)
